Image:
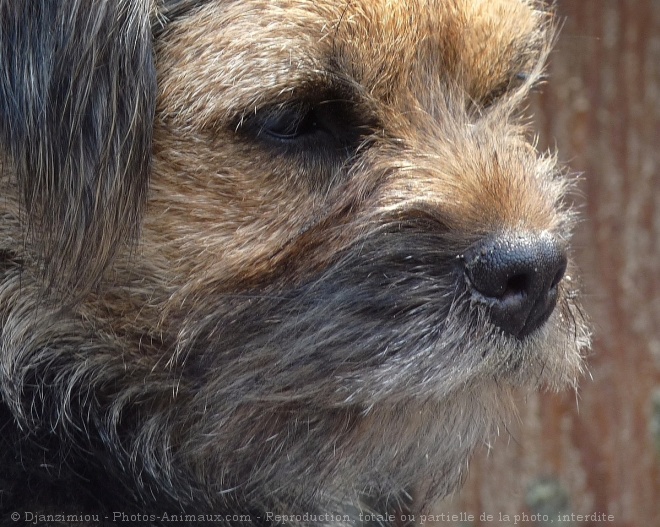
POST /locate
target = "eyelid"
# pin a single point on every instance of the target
(331, 122)
(285, 123)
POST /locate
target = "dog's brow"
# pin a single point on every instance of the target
(320, 86)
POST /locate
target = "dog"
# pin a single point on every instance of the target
(271, 262)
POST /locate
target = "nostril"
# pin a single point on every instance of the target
(516, 285)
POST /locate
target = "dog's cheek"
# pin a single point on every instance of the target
(217, 213)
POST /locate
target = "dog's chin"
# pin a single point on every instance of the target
(355, 456)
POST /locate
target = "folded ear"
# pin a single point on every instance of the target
(77, 96)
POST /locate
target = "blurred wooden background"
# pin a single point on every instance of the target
(601, 109)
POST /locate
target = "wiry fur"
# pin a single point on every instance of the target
(272, 327)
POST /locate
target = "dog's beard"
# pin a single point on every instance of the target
(367, 380)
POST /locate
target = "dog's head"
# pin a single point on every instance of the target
(348, 254)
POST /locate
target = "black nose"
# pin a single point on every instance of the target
(516, 276)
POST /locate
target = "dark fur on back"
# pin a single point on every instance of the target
(197, 317)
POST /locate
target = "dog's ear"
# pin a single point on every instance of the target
(77, 97)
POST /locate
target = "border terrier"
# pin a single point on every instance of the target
(271, 261)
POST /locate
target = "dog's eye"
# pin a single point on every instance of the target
(292, 123)
(330, 125)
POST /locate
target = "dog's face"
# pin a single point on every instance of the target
(350, 251)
